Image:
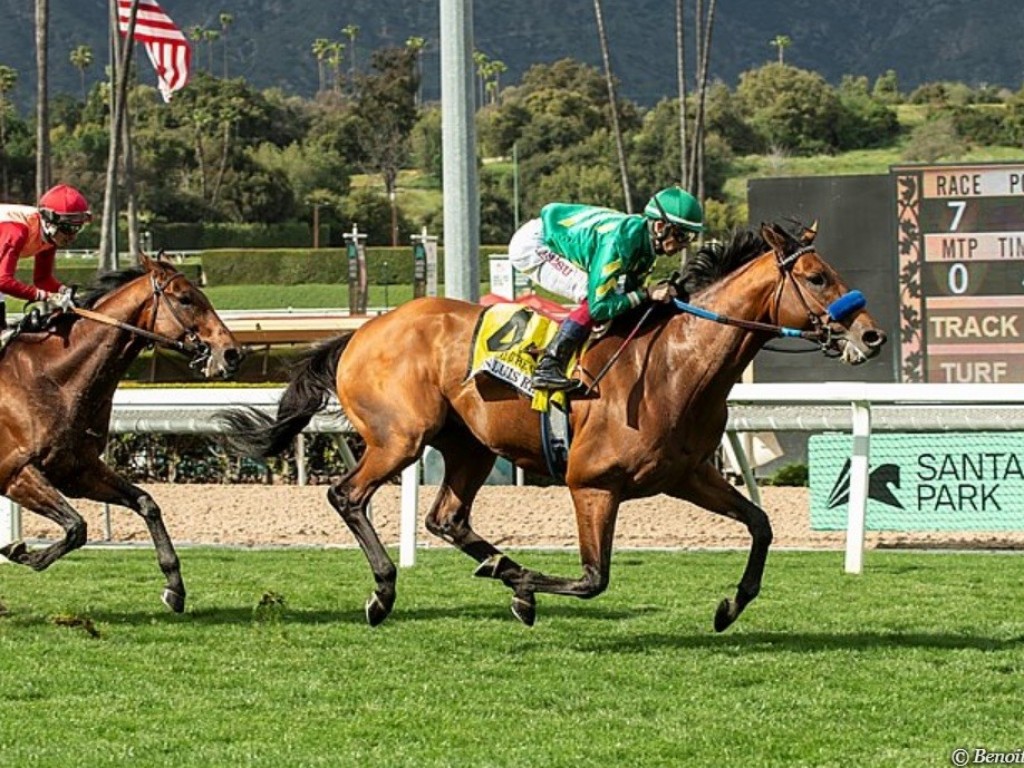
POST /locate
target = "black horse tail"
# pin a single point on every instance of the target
(254, 433)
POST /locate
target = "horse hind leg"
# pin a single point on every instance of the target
(596, 513)
(467, 462)
(350, 496)
(35, 493)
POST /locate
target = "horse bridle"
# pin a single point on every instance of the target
(192, 346)
(823, 333)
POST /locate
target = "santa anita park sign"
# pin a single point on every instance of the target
(923, 482)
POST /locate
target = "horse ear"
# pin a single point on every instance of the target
(774, 236)
(145, 262)
(809, 233)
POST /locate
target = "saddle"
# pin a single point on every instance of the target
(33, 321)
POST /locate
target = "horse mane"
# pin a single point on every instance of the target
(107, 282)
(715, 260)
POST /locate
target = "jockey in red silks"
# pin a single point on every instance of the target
(599, 258)
(37, 232)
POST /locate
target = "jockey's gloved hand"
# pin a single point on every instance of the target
(59, 301)
(66, 297)
(662, 292)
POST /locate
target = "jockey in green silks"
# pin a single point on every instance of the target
(599, 258)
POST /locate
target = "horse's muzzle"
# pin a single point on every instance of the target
(217, 362)
(855, 348)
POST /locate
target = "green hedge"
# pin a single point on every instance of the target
(82, 272)
(196, 237)
(244, 266)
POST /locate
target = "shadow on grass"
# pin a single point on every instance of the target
(245, 616)
(797, 642)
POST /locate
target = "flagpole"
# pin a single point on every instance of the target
(118, 98)
(108, 233)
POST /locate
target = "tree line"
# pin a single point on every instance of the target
(222, 151)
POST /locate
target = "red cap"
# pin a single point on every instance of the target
(68, 203)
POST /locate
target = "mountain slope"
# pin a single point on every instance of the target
(270, 40)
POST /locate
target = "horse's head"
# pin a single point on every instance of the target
(812, 296)
(181, 312)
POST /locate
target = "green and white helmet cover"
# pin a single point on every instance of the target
(676, 206)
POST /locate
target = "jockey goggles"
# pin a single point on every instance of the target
(677, 232)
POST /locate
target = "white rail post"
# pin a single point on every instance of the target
(408, 518)
(10, 523)
(859, 460)
(741, 454)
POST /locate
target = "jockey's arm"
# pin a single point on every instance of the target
(12, 239)
(605, 302)
(42, 273)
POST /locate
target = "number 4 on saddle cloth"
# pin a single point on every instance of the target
(505, 343)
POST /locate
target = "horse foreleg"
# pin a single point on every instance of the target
(596, 512)
(713, 492)
(101, 483)
(34, 492)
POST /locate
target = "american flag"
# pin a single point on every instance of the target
(164, 42)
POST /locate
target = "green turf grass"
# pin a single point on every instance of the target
(273, 664)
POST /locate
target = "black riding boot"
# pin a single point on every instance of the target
(550, 372)
(3, 315)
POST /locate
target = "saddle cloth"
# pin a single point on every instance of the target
(505, 343)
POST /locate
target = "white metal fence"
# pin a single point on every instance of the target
(860, 408)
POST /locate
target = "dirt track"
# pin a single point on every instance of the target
(255, 515)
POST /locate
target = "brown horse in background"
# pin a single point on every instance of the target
(652, 425)
(57, 390)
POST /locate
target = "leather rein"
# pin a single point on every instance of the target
(191, 345)
(822, 334)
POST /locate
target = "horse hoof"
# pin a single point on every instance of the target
(525, 609)
(15, 551)
(492, 567)
(376, 611)
(173, 600)
(725, 615)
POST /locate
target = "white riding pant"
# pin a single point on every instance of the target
(530, 255)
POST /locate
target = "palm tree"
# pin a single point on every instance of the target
(480, 60)
(782, 42)
(613, 104)
(196, 34)
(704, 55)
(8, 79)
(416, 44)
(350, 31)
(334, 51)
(681, 83)
(321, 47)
(226, 20)
(493, 83)
(211, 36)
(81, 59)
(42, 97)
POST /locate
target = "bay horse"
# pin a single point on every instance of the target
(57, 391)
(652, 425)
